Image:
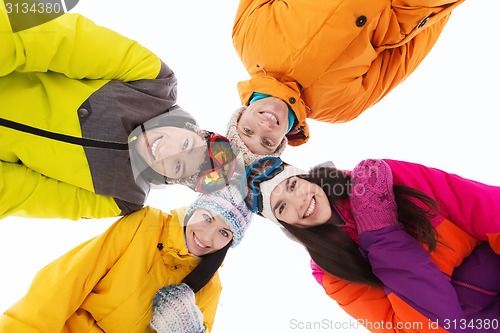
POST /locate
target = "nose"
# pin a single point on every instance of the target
(300, 200)
(265, 125)
(169, 150)
(208, 235)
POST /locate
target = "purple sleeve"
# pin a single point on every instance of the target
(473, 206)
(405, 269)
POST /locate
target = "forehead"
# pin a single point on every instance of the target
(280, 189)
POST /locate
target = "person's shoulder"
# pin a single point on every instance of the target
(179, 213)
(146, 214)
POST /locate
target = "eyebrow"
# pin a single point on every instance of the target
(287, 183)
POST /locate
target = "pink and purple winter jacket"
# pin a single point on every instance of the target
(455, 286)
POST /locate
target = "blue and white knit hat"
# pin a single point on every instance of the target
(228, 203)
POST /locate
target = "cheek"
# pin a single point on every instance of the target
(222, 241)
(141, 148)
(327, 210)
(161, 168)
(290, 217)
(247, 118)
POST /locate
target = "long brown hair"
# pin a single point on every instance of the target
(206, 269)
(334, 251)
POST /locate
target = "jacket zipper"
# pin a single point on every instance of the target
(84, 142)
(472, 287)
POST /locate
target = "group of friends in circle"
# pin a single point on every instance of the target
(90, 122)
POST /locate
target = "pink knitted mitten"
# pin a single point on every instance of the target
(372, 199)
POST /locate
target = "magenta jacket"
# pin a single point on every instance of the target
(473, 206)
(442, 287)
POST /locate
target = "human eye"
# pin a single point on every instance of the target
(292, 185)
(267, 143)
(224, 233)
(281, 208)
(177, 167)
(247, 131)
(207, 217)
(185, 145)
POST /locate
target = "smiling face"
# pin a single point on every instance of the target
(263, 125)
(174, 152)
(206, 232)
(300, 203)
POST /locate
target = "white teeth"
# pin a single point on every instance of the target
(154, 146)
(200, 244)
(311, 207)
(270, 116)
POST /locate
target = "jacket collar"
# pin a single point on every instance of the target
(175, 252)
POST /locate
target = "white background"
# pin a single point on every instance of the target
(443, 116)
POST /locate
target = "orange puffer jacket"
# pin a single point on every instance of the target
(330, 60)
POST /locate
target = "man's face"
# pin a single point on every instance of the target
(174, 152)
(263, 125)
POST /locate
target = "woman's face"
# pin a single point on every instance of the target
(263, 125)
(206, 232)
(174, 152)
(300, 203)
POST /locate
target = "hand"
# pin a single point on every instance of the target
(372, 199)
(175, 311)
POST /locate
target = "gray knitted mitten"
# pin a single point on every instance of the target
(372, 199)
(175, 311)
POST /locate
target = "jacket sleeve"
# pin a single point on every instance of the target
(471, 205)
(73, 45)
(208, 301)
(26, 193)
(406, 271)
(60, 288)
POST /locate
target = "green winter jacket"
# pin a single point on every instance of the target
(72, 79)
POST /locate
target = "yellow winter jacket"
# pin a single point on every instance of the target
(46, 73)
(107, 284)
(330, 60)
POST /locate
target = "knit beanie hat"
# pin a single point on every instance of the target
(175, 310)
(238, 144)
(261, 191)
(228, 203)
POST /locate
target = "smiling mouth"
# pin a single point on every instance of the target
(270, 116)
(198, 242)
(154, 147)
(311, 208)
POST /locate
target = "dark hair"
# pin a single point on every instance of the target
(334, 251)
(206, 269)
